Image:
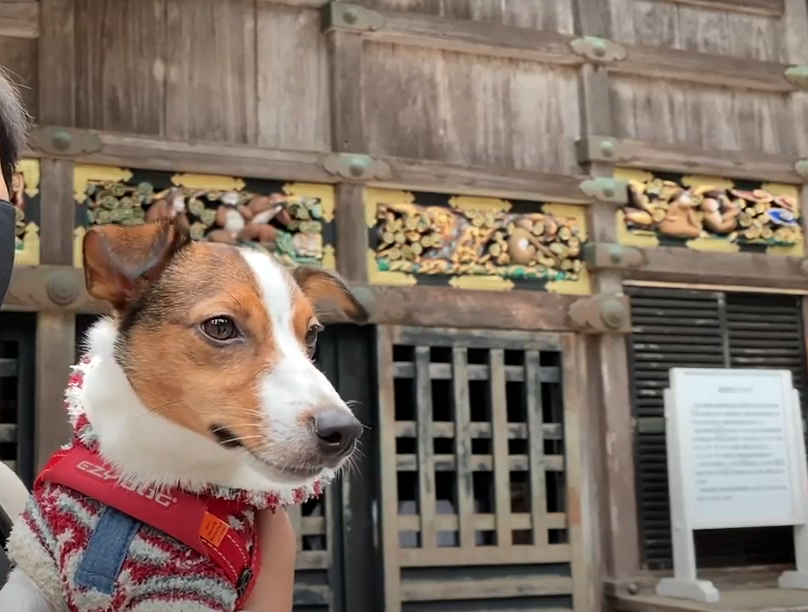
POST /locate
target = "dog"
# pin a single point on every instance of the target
(198, 396)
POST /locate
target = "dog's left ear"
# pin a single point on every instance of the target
(322, 286)
(120, 262)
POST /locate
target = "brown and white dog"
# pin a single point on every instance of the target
(202, 380)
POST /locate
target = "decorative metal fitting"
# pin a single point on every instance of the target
(604, 189)
(356, 167)
(63, 142)
(601, 313)
(801, 168)
(62, 288)
(633, 588)
(598, 50)
(609, 256)
(797, 76)
(337, 15)
(600, 149)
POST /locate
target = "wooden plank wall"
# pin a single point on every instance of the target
(454, 96)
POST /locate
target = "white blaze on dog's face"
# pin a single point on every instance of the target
(219, 340)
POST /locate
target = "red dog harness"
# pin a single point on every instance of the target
(198, 521)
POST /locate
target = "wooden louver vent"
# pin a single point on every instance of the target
(674, 327)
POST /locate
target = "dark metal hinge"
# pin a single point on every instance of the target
(63, 142)
(356, 167)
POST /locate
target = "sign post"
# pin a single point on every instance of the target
(736, 458)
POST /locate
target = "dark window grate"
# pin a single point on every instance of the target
(675, 327)
(17, 346)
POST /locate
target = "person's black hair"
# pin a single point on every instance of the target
(13, 127)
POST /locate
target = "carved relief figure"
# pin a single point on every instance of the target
(418, 239)
(290, 227)
(666, 208)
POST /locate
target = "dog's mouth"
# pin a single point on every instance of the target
(285, 474)
(225, 437)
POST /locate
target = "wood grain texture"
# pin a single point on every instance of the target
(292, 72)
(677, 25)
(419, 306)
(428, 31)
(610, 533)
(738, 164)
(755, 7)
(19, 19)
(210, 70)
(466, 109)
(56, 68)
(677, 265)
(146, 152)
(120, 65)
(55, 353)
(58, 216)
(709, 118)
(19, 58)
(705, 69)
(553, 16)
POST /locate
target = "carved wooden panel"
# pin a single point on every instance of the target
(479, 470)
(710, 214)
(294, 221)
(474, 243)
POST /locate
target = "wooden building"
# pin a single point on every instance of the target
(545, 204)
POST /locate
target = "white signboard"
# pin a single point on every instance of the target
(736, 458)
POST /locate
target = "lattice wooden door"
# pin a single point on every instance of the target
(480, 470)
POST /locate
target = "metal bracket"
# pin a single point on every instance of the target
(598, 50)
(602, 313)
(356, 167)
(607, 190)
(62, 288)
(598, 256)
(63, 142)
(801, 168)
(601, 149)
(798, 75)
(337, 15)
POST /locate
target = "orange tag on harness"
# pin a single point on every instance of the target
(213, 529)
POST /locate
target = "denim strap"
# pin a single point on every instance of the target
(106, 551)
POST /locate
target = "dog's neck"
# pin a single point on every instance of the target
(147, 449)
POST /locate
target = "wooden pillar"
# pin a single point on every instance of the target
(615, 496)
(356, 491)
(55, 331)
(795, 23)
(348, 136)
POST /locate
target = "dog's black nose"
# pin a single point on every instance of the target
(336, 431)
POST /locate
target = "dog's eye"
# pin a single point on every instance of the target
(311, 337)
(220, 329)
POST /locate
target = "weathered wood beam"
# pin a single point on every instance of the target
(613, 546)
(681, 265)
(33, 289)
(55, 331)
(465, 36)
(348, 137)
(745, 164)
(19, 19)
(131, 151)
(298, 3)
(768, 8)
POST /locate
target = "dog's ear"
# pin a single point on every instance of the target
(322, 287)
(120, 261)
